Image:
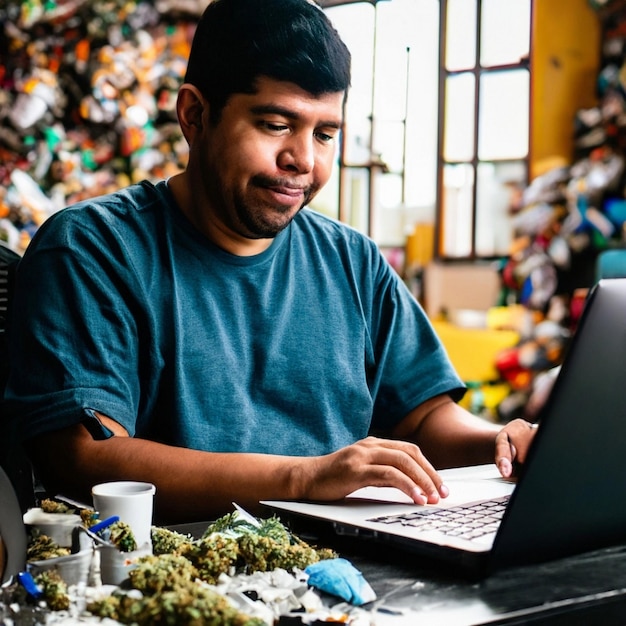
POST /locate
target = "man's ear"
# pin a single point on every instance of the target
(190, 108)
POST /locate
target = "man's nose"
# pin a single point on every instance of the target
(298, 155)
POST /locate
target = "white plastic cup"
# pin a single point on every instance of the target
(131, 501)
(115, 565)
(73, 568)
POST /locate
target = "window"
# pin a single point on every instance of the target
(483, 124)
(387, 179)
(437, 122)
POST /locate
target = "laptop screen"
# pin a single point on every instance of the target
(572, 488)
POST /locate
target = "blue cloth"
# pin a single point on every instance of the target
(340, 578)
(124, 308)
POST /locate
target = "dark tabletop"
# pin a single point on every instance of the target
(586, 589)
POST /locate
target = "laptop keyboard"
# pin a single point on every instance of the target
(466, 521)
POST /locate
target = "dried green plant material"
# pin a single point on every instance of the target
(54, 590)
(264, 554)
(52, 506)
(41, 547)
(274, 529)
(231, 523)
(268, 546)
(171, 595)
(108, 607)
(89, 517)
(156, 574)
(121, 535)
(165, 541)
(171, 579)
(212, 555)
(186, 606)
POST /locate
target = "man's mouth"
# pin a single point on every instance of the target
(288, 192)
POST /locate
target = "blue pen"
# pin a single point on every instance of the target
(28, 582)
(96, 528)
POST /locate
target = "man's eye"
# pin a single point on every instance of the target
(324, 137)
(273, 127)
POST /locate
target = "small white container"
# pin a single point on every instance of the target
(115, 565)
(57, 526)
(73, 568)
(131, 501)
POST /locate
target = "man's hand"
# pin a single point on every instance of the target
(373, 462)
(512, 444)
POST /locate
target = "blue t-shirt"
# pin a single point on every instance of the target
(124, 308)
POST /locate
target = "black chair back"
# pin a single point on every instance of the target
(12, 457)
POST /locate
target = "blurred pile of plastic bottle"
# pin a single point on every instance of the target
(564, 220)
(87, 101)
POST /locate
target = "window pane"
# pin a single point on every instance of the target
(407, 41)
(496, 186)
(391, 219)
(503, 115)
(505, 31)
(459, 118)
(461, 35)
(355, 23)
(327, 200)
(390, 144)
(357, 198)
(458, 186)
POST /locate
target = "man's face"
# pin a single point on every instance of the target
(268, 156)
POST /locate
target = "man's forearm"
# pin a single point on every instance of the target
(449, 435)
(191, 485)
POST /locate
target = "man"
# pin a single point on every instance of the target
(211, 335)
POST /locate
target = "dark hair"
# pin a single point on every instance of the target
(237, 41)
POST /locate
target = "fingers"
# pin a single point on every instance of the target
(409, 469)
(512, 444)
(505, 453)
(391, 463)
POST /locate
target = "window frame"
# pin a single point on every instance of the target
(477, 71)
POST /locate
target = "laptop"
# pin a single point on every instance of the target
(569, 496)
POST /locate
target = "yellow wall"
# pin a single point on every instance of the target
(565, 61)
(474, 350)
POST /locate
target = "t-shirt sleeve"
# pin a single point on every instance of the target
(74, 332)
(411, 363)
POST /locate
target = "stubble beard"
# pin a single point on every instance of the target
(265, 221)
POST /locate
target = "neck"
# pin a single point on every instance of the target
(215, 232)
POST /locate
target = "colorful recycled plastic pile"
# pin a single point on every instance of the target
(564, 220)
(87, 101)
